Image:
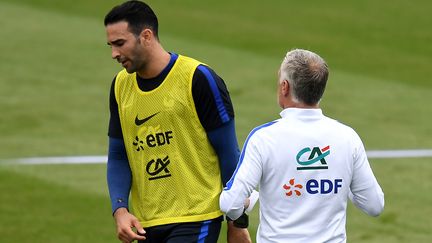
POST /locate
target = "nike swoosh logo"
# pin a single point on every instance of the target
(139, 122)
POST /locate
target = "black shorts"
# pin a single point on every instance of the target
(194, 232)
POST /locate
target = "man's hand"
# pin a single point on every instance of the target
(125, 224)
(237, 235)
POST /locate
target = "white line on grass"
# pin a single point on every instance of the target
(58, 160)
(415, 153)
(372, 154)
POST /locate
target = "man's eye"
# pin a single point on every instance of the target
(117, 43)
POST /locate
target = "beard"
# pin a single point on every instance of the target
(129, 66)
(136, 62)
(132, 64)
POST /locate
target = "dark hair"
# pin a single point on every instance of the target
(137, 14)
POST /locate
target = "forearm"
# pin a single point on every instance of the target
(243, 182)
(236, 234)
(224, 142)
(233, 198)
(369, 200)
(367, 194)
(232, 202)
(119, 175)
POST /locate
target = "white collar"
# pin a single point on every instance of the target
(300, 113)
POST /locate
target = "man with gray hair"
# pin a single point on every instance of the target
(305, 164)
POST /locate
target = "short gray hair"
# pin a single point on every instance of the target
(307, 75)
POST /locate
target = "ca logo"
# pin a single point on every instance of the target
(315, 155)
(158, 168)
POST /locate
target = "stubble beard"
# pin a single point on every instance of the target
(137, 62)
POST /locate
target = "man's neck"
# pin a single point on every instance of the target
(300, 105)
(157, 61)
(304, 106)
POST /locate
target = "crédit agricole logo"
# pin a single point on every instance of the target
(315, 160)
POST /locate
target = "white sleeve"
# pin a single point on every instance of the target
(367, 194)
(244, 180)
(253, 199)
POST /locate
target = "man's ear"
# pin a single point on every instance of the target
(146, 36)
(285, 88)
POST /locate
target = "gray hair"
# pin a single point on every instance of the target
(307, 75)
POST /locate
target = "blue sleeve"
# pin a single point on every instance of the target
(119, 175)
(224, 142)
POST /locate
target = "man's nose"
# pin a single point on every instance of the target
(114, 53)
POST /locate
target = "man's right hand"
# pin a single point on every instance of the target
(125, 223)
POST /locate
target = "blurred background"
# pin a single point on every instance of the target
(56, 71)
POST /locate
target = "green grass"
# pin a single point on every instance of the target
(389, 40)
(68, 203)
(38, 210)
(57, 72)
(406, 183)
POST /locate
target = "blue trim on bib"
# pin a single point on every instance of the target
(216, 94)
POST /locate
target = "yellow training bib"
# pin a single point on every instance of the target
(175, 171)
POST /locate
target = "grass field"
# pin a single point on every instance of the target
(56, 73)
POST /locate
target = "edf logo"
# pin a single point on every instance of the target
(312, 186)
(323, 186)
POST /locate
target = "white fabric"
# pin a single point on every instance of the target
(253, 199)
(281, 154)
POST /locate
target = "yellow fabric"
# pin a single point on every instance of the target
(175, 171)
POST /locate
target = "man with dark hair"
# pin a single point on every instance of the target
(306, 164)
(172, 142)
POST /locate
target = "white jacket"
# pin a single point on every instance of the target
(306, 165)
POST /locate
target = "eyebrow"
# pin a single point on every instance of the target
(115, 42)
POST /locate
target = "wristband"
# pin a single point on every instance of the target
(241, 222)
